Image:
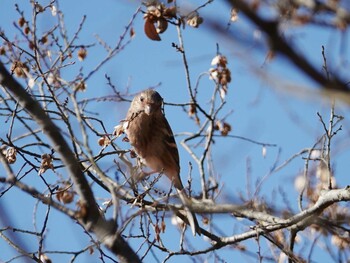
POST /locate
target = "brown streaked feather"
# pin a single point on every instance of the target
(171, 143)
(151, 136)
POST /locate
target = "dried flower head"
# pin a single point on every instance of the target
(20, 69)
(219, 60)
(224, 77)
(82, 53)
(46, 163)
(10, 155)
(81, 86)
(39, 8)
(65, 194)
(223, 127)
(220, 74)
(194, 20)
(156, 19)
(226, 128)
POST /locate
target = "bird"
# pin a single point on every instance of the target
(152, 139)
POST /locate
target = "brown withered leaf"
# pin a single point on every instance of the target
(163, 226)
(132, 32)
(192, 110)
(157, 232)
(151, 31)
(21, 21)
(82, 53)
(65, 195)
(104, 141)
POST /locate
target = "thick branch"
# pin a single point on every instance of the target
(92, 221)
(279, 44)
(300, 220)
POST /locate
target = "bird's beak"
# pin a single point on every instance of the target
(149, 108)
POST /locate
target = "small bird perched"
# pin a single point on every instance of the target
(150, 134)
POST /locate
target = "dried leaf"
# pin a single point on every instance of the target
(82, 53)
(132, 32)
(163, 226)
(21, 21)
(226, 128)
(104, 141)
(151, 31)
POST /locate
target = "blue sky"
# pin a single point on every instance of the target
(261, 112)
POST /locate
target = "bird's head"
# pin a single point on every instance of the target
(148, 101)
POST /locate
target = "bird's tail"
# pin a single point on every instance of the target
(191, 217)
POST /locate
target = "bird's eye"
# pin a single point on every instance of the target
(141, 99)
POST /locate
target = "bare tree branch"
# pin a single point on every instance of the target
(279, 44)
(92, 221)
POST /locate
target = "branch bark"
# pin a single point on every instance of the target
(279, 44)
(92, 221)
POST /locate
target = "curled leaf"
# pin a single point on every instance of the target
(151, 31)
(104, 141)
